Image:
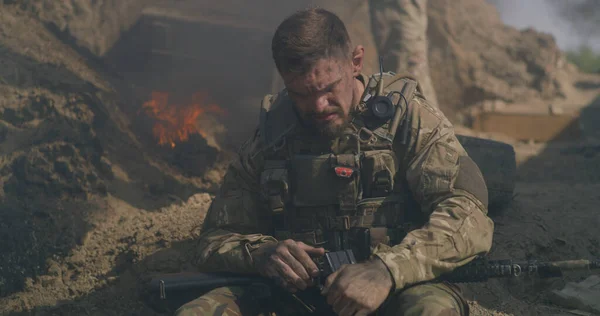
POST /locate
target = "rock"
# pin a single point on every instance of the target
(475, 57)
(93, 25)
(584, 295)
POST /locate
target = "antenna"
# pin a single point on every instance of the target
(380, 67)
(380, 83)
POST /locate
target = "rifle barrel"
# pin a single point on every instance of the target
(481, 269)
(575, 264)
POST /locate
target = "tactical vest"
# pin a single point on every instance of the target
(347, 193)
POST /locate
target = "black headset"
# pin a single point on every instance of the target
(382, 106)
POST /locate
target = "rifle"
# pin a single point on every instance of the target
(479, 270)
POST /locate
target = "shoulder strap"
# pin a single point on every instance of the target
(277, 119)
(410, 86)
(397, 82)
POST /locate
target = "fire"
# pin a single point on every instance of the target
(175, 123)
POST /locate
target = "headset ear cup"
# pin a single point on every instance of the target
(381, 107)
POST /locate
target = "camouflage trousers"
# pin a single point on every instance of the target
(434, 299)
(399, 29)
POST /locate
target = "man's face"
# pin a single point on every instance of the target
(325, 95)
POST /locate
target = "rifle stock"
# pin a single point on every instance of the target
(200, 282)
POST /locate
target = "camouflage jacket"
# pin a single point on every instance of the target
(457, 227)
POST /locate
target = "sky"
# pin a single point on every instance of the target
(543, 17)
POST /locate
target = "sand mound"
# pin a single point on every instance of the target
(66, 148)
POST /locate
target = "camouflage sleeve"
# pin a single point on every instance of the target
(235, 223)
(450, 189)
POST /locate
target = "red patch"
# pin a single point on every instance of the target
(344, 172)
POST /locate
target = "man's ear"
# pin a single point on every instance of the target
(358, 57)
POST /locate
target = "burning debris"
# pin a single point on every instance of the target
(175, 123)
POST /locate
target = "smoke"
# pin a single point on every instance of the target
(572, 22)
(584, 15)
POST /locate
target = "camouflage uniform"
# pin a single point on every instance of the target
(399, 29)
(421, 190)
(428, 299)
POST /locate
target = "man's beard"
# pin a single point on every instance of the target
(328, 130)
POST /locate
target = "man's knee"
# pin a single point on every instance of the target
(226, 301)
(428, 300)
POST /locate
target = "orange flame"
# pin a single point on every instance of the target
(175, 123)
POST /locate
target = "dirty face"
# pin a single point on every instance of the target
(325, 95)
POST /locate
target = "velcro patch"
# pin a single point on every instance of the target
(470, 179)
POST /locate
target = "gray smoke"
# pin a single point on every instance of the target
(572, 22)
(584, 15)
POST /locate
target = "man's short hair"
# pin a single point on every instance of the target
(306, 37)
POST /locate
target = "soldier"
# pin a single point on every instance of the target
(399, 29)
(337, 154)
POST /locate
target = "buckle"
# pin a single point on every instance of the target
(383, 182)
(339, 223)
(346, 222)
(365, 135)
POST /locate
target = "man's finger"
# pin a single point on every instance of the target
(296, 267)
(335, 292)
(284, 284)
(345, 308)
(362, 312)
(272, 273)
(329, 282)
(317, 252)
(287, 273)
(337, 298)
(303, 258)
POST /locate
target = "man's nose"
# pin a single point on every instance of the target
(321, 103)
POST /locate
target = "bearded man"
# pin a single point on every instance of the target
(337, 156)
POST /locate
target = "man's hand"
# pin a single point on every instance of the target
(288, 262)
(358, 289)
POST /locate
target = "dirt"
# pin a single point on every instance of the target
(70, 166)
(552, 218)
(93, 26)
(90, 205)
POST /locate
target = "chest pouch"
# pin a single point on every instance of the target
(386, 218)
(378, 172)
(320, 180)
(275, 184)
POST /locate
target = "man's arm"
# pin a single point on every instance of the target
(450, 189)
(236, 222)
